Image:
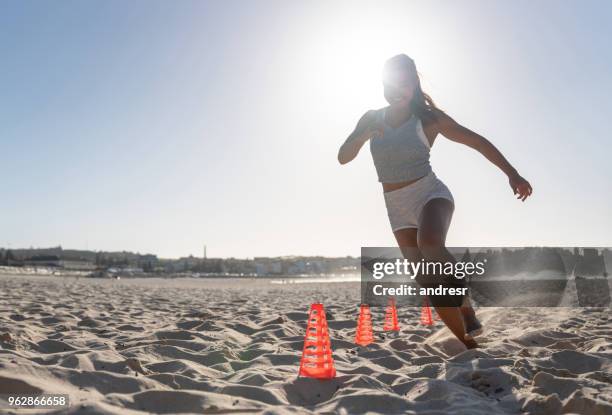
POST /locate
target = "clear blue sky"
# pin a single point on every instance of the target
(158, 126)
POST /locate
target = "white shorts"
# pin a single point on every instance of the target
(405, 204)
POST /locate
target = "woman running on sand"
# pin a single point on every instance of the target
(419, 205)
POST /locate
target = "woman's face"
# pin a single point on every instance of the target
(399, 88)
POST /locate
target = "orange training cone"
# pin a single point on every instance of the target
(364, 335)
(317, 361)
(426, 318)
(391, 323)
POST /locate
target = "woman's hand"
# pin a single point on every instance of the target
(368, 127)
(372, 127)
(520, 186)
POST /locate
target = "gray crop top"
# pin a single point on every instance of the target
(402, 153)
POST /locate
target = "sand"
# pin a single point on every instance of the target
(234, 346)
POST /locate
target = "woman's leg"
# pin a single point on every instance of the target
(407, 240)
(431, 240)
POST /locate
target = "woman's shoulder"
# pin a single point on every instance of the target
(377, 111)
(378, 114)
(372, 115)
(380, 110)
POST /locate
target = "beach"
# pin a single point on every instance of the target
(189, 345)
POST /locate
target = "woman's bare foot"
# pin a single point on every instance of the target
(470, 343)
(453, 318)
(473, 327)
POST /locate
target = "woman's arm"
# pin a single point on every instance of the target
(366, 128)
(454, 131)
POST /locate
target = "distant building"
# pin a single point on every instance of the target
(78, 265)
(183, 264)
(147, 262)
(43, 261)
(268, 266)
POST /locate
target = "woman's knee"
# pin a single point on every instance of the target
(435, 219)
(430, 239)
(431, 245)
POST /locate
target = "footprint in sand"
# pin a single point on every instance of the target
(135, 365)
